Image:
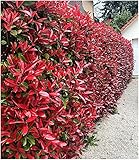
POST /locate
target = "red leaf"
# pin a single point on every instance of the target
(10, 121)
(23, 106)
(60, 119)
(45, 157)
(82, 98)
(44, 94)
(49, 137)
(26, 12)
(31, 92)
(62, 144)
(41, 114)
(30, 77)
(17, 155)
(18, 137)
(33, 50)
(9, 82)
(25, 130)
(30, 156)
(81, 89)
(54, 94)
(31, 119)
(21, 150)
(11, 155)
(64, 41)
(9, 140)
(19, 3)
(8, 27)
(43, 108)
(51, 123)
(5, 133)
(88, 92)
(30, 67)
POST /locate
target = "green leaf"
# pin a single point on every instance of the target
(3, 95)
(11, 76)
(20, 55)
(3, 101)
(3, 42)
(25, 84)
(65, 100)
(47, 56)
(65, 94)
(28, 3)
(64, 136)
(24, 94)
(21, 37)
(9, 151)
(6, 63)
(24, 141)
(91, 140)
(52, 59)
(14, 33)
(75, 120)
(1, 63)
(69, 19)
(76, 98)
(31, 139)
(28, 141)
(13, 26)
(27, 147)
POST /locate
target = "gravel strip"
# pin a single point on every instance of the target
(118, 134)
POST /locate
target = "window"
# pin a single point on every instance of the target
(135, 43)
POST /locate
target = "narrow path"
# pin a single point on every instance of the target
(118, 134)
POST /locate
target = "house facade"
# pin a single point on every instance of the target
(130, 31)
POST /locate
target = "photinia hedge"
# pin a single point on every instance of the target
(60, 72)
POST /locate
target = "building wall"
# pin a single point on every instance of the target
(132, 33)
(79, 3)
(136, 56)
(88, 7)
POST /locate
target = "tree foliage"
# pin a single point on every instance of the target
(120, 19)
(111, 8)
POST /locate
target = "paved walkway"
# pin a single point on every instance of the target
(118, 134)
